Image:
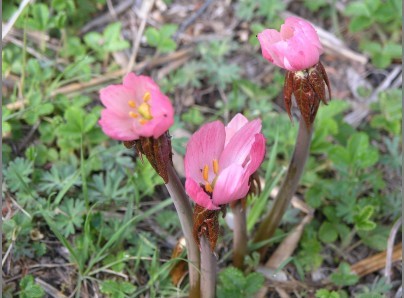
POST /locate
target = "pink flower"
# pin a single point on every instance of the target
(220, 160)
(295, 47)
(137, 108)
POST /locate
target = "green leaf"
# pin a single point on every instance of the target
(92, 39)
(232, 283)
(362, 219)
(376, 238)
(357, 8)
(393, 50)
(370, 47)
(17, 174)
(360, 153)
(324, 293)
(168, 30)
(232, 278)
(314, 196)
(40, 16)
(381, 60)
(152, 36)
(29, 289)
(167, 45)
(117, 289)
(327, 232)
(254, 282)
(360, 23)
(340, 156)
(71, 216)
(161, 39)
(315, 5)
(344, 276)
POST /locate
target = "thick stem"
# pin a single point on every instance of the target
(208, 270)
(239, 235)
(184, 211)
(272, 220)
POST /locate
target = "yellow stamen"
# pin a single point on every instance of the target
(208, 187)
(215, 166)
(133, 114)
(145, 110)
(143, 121)
(205, 173)
(147, 96)
(132, 104)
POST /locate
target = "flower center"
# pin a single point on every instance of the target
(205, 174)
(143, 111)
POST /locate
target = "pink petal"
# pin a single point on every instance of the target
(232, 184)
(266, 39)
(239, 147)
(116, 127)
(257, 154)
(116, 98)
(234, 125)
(163, 116)
(139, 84)
(197, 194)
(307, 29)
(204, 146)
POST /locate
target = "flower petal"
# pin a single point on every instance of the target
(295, 47)
(204, 146)
(163, 116)
(197, 194)
(116, 98)
(139, 84)
(235, 125)
(239, 147)
(232, 184)
(116, 127)
(266, 39)
(257, 154)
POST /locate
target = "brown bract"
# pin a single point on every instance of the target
(308, 87)
(157, 151)
(206, 223)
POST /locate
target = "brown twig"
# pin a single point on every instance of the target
(146, 7)
(390, 245)
(184, 25)
(107, 17)
(14, 18)
(376, 262)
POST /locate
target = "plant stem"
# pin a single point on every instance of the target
(184, 211)
(272, 220)
(239, 235)
(208, 270)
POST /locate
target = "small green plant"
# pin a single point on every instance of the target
(324, 293)
(161, 39)
(344, 276)
(382, 17)
(232, 283)
(109, 41)
(29, 289)
(117, 289)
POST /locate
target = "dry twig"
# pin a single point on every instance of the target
(389, 251)
(145, 10)
(376, 262)
(14, 18)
